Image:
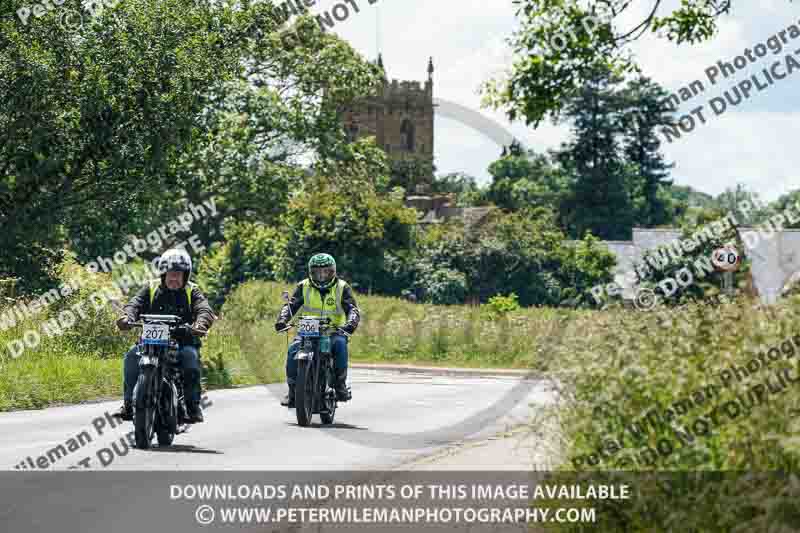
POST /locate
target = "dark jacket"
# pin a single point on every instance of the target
(349, 306)
(167, 302)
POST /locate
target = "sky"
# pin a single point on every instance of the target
(751, 144)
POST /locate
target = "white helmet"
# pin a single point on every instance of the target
(175, 260)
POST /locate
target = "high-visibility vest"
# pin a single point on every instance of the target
(155, 284)
(331, 307)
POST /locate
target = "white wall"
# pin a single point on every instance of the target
(774, 258)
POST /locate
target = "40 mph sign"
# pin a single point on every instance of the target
(726, 259)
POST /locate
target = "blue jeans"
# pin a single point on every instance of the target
(338, 348)
(189, 358)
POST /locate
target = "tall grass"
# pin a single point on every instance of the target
(85, 361)
(616, 366)
(394, 330)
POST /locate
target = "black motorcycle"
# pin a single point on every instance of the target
(314, 391)
(159, 406)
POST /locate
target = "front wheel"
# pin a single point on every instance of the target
(165, 438)
(304, 393)
(329, 396)
(168, 416)
(145, 407)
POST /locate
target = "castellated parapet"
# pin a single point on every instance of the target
(400, 117)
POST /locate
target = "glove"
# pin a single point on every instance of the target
(280, 326)
(123, 324)
(346, 330)
(199, 330)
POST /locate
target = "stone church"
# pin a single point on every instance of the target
(400, 117)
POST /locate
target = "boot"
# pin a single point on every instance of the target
(342, 391)
(195, 414)
(126, 411)
(288, 400)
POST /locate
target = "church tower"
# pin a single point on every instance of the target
(400, 117)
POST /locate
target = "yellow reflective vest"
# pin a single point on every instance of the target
(156, 283)
(332, 306)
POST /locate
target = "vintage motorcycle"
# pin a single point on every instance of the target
(159, 406)
(314, 391)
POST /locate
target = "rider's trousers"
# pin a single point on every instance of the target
(338, 349)
(189, 358)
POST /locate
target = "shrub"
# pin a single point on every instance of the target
(215, 373)
(248, 253)
(502, 305)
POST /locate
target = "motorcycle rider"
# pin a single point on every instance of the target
(172, 295)
(322, 294)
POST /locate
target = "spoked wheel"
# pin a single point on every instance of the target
(329, 408)
(165, 437)
(168, 417)
(304, 394)
(145, 408)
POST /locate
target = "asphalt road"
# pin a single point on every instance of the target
(395, 418)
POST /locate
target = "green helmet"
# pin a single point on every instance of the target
(322, 270)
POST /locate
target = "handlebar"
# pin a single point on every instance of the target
(323, 321)
(184, 326)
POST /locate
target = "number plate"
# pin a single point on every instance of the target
(308, 327)
(155, 334)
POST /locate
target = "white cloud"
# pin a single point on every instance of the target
(756, 149)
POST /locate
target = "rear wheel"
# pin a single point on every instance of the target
(145, 407)
(304, 393)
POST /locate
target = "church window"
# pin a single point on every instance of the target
(407, 135)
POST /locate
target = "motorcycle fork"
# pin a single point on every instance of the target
(155, 393)
(315, 407)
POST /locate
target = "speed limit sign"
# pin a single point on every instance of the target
(726, 259)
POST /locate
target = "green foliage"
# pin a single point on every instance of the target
(169, 101)
(600, 198)
(463, 187)
(522, 252)
(394, 330)
(443, 286)
(643, 113)
(584, 264)
(617, 365)
(502, 305)
(215, 373)
(346, 217)
(560, 44)
(248, 253)
(663, 262)
(526, 180)
(84, 361)
(787, 201)
(409, 172)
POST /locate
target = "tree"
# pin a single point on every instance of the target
(526, 180)
(411, 171)
(598, 200)
(108, 129)
(644, 112)
(788, 201)
(561, 43)
(92, 122)
(522, 252)
(464, 187)
(340, 211)
(732, 201)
